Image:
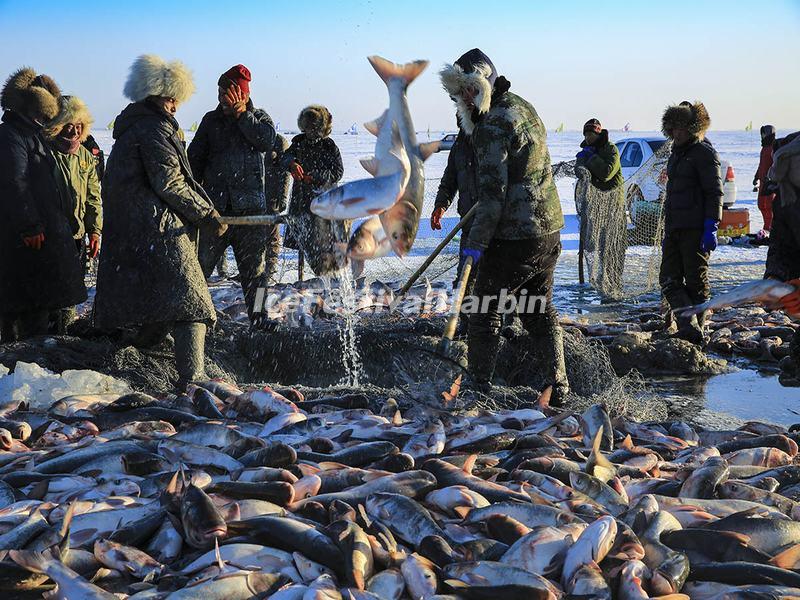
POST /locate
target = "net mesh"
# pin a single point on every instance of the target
(621, 233)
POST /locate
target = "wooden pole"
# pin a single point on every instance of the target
(253, 220)
(427, 263)
(581, 229)
(455, 310)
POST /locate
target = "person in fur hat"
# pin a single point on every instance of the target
(149, 275)
(602, 199)
(227, 157)
(515, 235)
(40, 267)
(315, 163)
(692, 212)
(66, 134)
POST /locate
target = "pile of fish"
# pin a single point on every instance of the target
(392, 198)
(225, 493)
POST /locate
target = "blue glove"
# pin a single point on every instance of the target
(475, 253)
(587, 153)
(709, 241)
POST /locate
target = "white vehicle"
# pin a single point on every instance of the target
(644, 167)
(447, 142)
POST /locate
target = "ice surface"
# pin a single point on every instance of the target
(39, 388)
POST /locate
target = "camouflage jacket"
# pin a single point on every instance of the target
(515, 191)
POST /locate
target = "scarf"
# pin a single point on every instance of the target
(67, 145)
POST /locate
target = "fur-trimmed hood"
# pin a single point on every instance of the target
(315, 119)
(72, 110)
(151, 75)
(30, 94)
(473, 70)
(691, 116)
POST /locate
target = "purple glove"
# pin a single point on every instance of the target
(475, 253)
(709, 241)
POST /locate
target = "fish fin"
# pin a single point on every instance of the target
(375, 125)
(64, 531)
(371, 165)
(602, 467)
(493, 478)
(787, 559)
(627, 443)
(456, 583)
(469, 464)
(364, 516)
(543, 401)
(397, 419)
(39, 490)
(35, 562)
(428, 148)
(387, 70)
(462, 511)
(218, 556)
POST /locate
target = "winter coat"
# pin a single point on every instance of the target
(80, 173)
(764, 163)
(694, 186)
(31, 202)
(783, 257)
(458, 177)
(319, 158)
(514, 177)
(227, 157)
(278, 181)
(604, 164)
(149, 271)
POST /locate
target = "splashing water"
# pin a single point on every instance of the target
(354, 368)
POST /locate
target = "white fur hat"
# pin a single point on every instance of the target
(151, 75)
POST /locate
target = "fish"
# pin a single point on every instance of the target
(403, 516)
(592, 545)
(401, 220)
(762, 291)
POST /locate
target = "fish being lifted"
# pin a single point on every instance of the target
(769, 292)
(263, 493)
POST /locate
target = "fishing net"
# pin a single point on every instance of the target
(621, 236)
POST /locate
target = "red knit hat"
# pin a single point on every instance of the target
(239, 75)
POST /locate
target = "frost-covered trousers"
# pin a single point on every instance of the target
(524, 267)
(684, 269)
(249, 244)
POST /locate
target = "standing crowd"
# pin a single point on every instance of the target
(163, 207)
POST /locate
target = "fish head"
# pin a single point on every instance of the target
(401, 223)
(202, 521)
(363, 244)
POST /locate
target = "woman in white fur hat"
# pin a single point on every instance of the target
(149, 274)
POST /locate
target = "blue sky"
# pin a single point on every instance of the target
(619, 61)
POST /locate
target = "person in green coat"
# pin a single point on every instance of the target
(76, 166)
(600, 200)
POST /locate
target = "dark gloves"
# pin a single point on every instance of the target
(212, 225)
(34, 241)
(709, 240)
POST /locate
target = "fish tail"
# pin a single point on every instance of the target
(32, 560)
(388, 70)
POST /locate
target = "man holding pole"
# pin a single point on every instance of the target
(227, 156)
(514, 240)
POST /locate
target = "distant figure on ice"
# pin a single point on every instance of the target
(149, 274)
(458, 178)
(65, 134)
(692, 210)
(315, 163)
(765, 196)
(227, 158)
(602, 208)
(277, 186)
(783, 258)
(515, 236)
(40, 266)
(99, 156)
